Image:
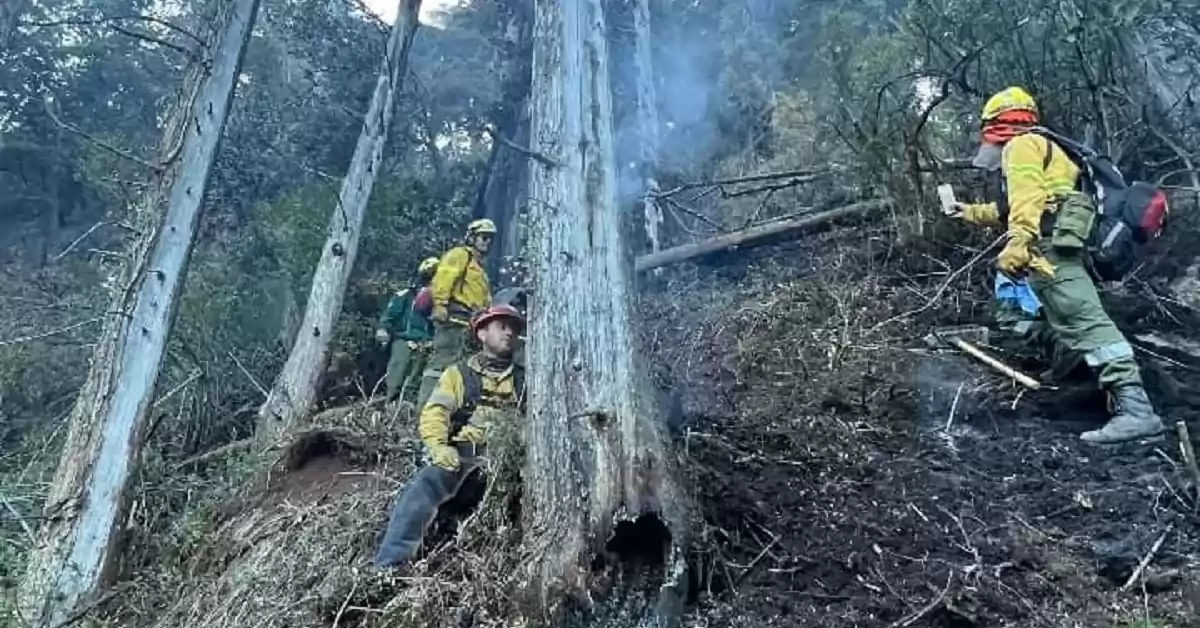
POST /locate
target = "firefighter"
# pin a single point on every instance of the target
(460, 289)
(406, 327)
(469, 397)
(1048, 222)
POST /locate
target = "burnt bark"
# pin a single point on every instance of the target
(598, 460)
(295, 389)
(78, 540)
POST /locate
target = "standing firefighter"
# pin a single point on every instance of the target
(469, 397)
(405, 324)
(1049, 223)
(460, 289)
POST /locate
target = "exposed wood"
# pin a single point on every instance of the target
(78, 540)
(646, 107)
(754, 235)
(587, 475)
(295, 388)
(1145, 562)
(1001, 367)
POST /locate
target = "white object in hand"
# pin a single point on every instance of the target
(946, 196)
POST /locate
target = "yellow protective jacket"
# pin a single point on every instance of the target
(451, 403)
(1037, 173)
(461, 285)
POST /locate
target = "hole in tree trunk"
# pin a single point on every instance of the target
(643, 542)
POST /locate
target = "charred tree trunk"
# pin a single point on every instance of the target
(77, 543)
(598, 467)
(296, 387)
(507, 180)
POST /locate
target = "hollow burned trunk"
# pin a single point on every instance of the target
(597, 458)
(296, 387)
(77, 543)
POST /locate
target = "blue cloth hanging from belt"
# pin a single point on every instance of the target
(1018, 293)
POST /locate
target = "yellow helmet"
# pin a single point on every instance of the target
(1008, 99)
(428, 266)
(483, 225)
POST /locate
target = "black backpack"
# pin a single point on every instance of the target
(473, 393)
(1128, 214)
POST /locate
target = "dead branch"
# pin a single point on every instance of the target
(223, 450)
(691, 212)
(74, 244)
(174, 391)
(1189, 456)
(946, 284)
(53, 332)
(247, 374)
(925, 610)
(754, 235)
(1145, 562)
(541, 158)
(155, 40)
(53, 113)
(979, 354)
(120, 18)
(20, 519)
(808, 174)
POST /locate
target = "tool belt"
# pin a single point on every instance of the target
(420, 346)
(459, 312)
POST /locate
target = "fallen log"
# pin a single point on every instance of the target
(756, 235)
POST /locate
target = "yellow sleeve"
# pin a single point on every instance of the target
(1025, 175)
(983, 214)
(444, 401)
(450, 268)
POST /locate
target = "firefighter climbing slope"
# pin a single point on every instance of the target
(1050, 222)
(454, 426)
(405, 325)
(460, 289)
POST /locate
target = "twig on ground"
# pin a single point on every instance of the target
(978, 354)
(1189, 457)
(1145, 562)
(346, 602)
(72, 246)
(20, 519)
(53, 332)
(954, 406)
(928, 608)
(223, 450)
(245, 372)
(945, 285)
(191, 378)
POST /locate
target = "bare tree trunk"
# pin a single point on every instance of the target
(10, 15)
(77, 543)
(597, 464)
(647, 118)
(296, 387)
(504, 189)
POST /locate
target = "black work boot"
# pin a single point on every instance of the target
(1134, 418)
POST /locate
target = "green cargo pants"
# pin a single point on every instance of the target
(405, 367)
(449, 347)
(1077, 318)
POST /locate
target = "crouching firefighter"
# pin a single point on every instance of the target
(1049, 221)
(454, 424)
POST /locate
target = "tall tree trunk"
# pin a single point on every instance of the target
(647, 120)
(77, 543)
(10, 16)
(597, 461)
(296, 387)
(503, 190)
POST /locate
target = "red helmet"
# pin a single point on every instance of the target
(494, 312)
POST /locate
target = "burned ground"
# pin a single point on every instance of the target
(848, 475)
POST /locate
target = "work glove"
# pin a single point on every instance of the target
(1019, 257)
(440, 314)
(444, 456)
(382, 336)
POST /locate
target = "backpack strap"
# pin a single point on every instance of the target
(472, 392)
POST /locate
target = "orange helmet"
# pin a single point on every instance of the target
(494, 312)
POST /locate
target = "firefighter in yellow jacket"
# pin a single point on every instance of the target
(1048, 222)
(460, 290)
(454, 426)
